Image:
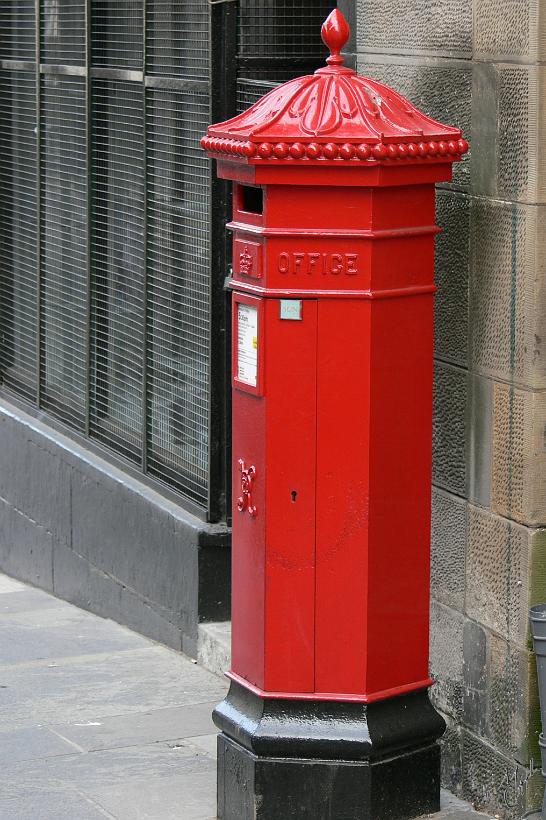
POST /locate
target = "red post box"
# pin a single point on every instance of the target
(333, 227)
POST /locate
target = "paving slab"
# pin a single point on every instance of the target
(99, 722)
(205, 743)
(455, 809)
(83, 688)
(140, 728)
(27, 600)
(8, 584)
(182, 795)
(59, 633)
(34, 742)
(52, 805)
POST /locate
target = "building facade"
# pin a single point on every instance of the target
(114, 339)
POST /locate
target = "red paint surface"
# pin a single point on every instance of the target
(330, 590)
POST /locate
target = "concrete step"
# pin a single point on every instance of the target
(214, 646)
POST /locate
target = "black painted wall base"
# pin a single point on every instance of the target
(309, 760)
(77, 526)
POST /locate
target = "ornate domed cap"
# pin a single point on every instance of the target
(333, 115)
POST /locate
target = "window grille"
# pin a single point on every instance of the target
(178, 39)
(17, 34)
(105, 228)
(285, 28)
(178, 323)
(280, 39)
(116, 33)
(117, 273)
(63, 32)
(63, 214)
(18, 231)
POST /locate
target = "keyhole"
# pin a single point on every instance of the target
(293, 495)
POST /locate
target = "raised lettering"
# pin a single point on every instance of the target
(284, 262)
(351, 259)
(334, 264)
(298, 259)
(312, 261)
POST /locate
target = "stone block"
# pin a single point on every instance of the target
(513, 713)
(495, 782)
(508, 291)
(475, 693)
(448, 548)
(452, 261)
(449, 428)
(26, 548)
(419, 28)
(518, 482)
(446, 659)
(116, 531)
(513, 28)
(451, 757)
(505, 573)
(214, 646)
(26, 460)
(478, 450)
(508, 123)
(89, 587)
(442, 89)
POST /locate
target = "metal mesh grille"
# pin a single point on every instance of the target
(178, 38)
(178, 290)
(109, 327)
(116, 33)
(284, 28)
(17, 37)
(63, 32)
(63, 248)
(250, 91)
(118, 314)
(18, 235)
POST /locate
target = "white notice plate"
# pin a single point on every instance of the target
(247, 344)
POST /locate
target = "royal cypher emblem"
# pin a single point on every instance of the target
(245, 262)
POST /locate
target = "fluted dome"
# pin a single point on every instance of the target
(334, 114)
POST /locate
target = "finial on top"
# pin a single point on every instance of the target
(335, 33)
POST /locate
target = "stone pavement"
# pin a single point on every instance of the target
(98, 722)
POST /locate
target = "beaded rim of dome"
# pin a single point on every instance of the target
(348, 151)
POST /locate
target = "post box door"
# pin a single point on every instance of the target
(274, 434)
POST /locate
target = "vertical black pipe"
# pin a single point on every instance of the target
(37, 55)
(223, 91)
(89, 201)
(144, 253)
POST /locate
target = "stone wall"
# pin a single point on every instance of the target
(477, 65)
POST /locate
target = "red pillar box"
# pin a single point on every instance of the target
(328, 713)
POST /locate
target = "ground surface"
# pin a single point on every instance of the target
(97, 721)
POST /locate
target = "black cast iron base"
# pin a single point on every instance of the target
(327, 760)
